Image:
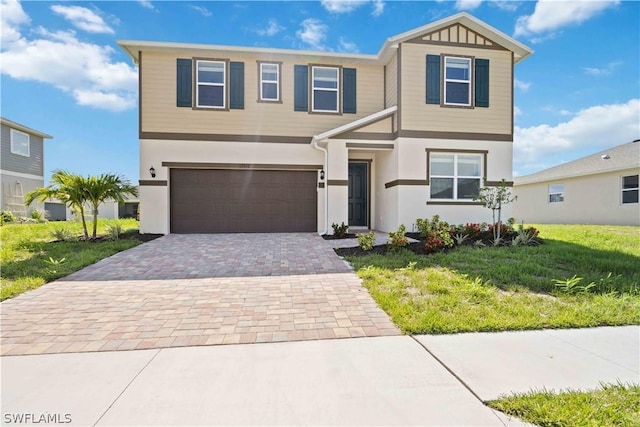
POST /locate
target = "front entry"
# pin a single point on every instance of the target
(358, 194)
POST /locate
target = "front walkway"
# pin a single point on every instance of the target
(186, 290)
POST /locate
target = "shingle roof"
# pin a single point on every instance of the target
(625, 156)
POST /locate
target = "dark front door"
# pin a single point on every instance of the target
(358, 194)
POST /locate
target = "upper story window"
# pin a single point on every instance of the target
(269, 81)
(325, 89)
(630, 189)
(455, 176)
(556, 193)
(211, 78)
(19, 143)
(457, 81)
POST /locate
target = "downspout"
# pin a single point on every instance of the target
(314, 144)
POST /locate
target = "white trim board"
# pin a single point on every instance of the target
(21, 175)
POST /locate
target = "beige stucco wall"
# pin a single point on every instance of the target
(412, 164)
(160, 114)
(417, 115)
(154, 200)
(592, 199)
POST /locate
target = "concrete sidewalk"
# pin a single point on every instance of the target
(364, 381)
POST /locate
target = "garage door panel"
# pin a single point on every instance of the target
(223, 201)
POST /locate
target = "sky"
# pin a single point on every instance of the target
(63, 73)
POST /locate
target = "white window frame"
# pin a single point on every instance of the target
(14, 147)
(468, 82)
(627, 189)
(455, 175)
(557, 191)
(324, 89)
(276, 81)
(223, 84)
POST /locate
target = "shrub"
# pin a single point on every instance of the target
(7, 216)
(397, 239)
(366, 241)
(62, 234)
(37, 215)
(26, 220)
(437, 233)
(526, 237)
(340, 230)
(114, 231)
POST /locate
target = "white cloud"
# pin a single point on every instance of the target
(11, 18)
(203, 10)
(348, 6)
(378, 7)
(552, 15)
(84, 70)
(604, 71)
(508, 5)
(468, 4)
(517, 111)
(597, 127)
(272, 29)
(83, 18)
(347, 46)
(342, 6)
(313, 33)
(146, 4)
(519, 84)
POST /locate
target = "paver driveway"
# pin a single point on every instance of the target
(182, 290)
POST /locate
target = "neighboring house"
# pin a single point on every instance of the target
(597, 189)
(57, 211)
(21, 165)
(246, 139)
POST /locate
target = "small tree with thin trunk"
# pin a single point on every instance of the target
(494, 198)
(66, 187)
(99, 189)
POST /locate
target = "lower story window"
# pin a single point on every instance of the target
(630, 189)
(455, 176)
(556, 193)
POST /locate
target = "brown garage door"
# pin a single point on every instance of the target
(241, 201)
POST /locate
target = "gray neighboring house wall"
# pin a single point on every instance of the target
(598, 189)
(21, 164)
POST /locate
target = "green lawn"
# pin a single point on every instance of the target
(31, 257)
(512, 288)
(611, 405)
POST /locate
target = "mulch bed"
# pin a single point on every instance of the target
(334, 237)
(419, 246)
(135, 234)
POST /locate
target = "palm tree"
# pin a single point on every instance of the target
(67, 187)
(98, 189)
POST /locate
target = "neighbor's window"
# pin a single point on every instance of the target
(630, 189)
(19, 143)
(211, 80)
(455, 176)
(457, 81)
(325, 89)
(269, 82)
(556, 193)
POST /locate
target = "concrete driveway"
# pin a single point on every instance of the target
(186, 290)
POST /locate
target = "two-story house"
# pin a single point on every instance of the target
(245, 139)
(21, 164)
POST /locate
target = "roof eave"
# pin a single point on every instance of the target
(23, 128)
